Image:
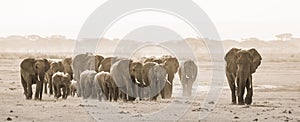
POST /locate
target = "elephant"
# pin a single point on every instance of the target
(187, 74)
(55, 66)
(33, 71)
(73, 88)
(82, 62)
(171, 65)
(62, 81)
(135, 71)
(240, 65)
(154, 76)
(106, 64)
(86, 84)
(105, 87)
(67, 62)
(120, 74)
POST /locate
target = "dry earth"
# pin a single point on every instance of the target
(276, 98)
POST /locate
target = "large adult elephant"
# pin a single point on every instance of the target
(82, 62)
(171, 65)
(187, 74)
(55, 66)
(154, 76)
(33, 72)
(240, 65)
(120, 74)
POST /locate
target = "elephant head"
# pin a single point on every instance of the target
(94, 62)
(33, 71)
(135, 71)
(240, 65)
(171, 65)
(106, 63)
(67, 62)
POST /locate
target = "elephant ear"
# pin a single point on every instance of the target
(256, 60)
(28, 65)
(47, 65)
(231, 56)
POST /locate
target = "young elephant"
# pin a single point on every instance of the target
(86, 84)
(73, 88)
(105, 87)
(60, 81)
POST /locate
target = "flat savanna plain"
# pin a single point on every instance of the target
(276, 98)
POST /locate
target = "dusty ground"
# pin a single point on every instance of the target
(276, 98)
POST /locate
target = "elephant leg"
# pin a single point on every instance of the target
(79, 89)
(50, 86)
(55, 91)
(24, 84)
(231, 82)
(241, 90)
(58, 92)
(248, 99)
(38, 89)
(41, 89)
(116, 94)
(189, 88)
(168, 89)
(45, 91)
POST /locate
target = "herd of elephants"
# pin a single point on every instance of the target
(111, 78)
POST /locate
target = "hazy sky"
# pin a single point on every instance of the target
(234, 19)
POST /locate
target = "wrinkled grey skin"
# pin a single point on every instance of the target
(54, 67)
(61, 81)
(120, 74)
(240, 65)
(33, 72)
(82, 62)
(157, 77)
(105, 87)
(86, 84)
(187, 74)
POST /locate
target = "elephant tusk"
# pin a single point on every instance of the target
(137, 81)
(169, 82)
(186, 76)
(38, 78)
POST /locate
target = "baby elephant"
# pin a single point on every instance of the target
(105, 87)
(60, 81)
(73, 88)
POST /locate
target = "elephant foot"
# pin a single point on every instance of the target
(248, 101)
(36, 98)
(241, 103)
(233, 103)
(28, 97)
